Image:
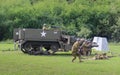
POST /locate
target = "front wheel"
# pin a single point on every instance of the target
(54, 48)
(27, 48)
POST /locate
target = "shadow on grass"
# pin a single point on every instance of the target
(61, 54)
(8, 50)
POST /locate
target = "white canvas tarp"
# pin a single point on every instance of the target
(102, 42)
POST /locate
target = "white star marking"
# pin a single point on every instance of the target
(43, 34)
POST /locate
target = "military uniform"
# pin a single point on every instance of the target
(101, 56)
(85, 48)
(75, 49)
(44, 27)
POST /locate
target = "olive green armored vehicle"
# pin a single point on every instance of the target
(38, 41)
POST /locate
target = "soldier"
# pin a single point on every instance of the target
(100, 56)
(85, 47)
(44, 27)
(75, 48)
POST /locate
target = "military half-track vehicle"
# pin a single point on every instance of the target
(38, 41)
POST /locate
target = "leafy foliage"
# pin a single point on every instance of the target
(79, 17)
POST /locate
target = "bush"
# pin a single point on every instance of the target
(78, 17)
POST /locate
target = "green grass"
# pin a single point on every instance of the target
(18, 63)
(6, 45)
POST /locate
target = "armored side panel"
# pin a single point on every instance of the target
(15, 34)
(18, 34)
(40, 35)
(31, 41)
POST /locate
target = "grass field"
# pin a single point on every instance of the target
(17, 63)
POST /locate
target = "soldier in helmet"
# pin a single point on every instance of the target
(85, 47)
(75, 48)
(44, 27)
(100, 56)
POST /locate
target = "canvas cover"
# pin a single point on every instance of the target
(102, 42)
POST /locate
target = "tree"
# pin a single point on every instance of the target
(84, 32)
(116, 31)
